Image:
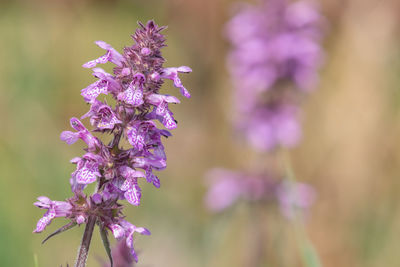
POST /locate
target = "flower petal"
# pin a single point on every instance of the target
(69, 137)
(91, 92)
(86, 175)
(172, 74)
(117, 231)
(133, 95)
(44, 221)
(133, 195)
(111, 56)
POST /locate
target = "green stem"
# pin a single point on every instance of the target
(308, 252)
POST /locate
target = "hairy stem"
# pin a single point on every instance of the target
(85, 244)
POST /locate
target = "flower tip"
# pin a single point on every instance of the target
(142, 231)
(102, 44)
(89, 65)
(186, 93)
(184, 69)
(76, 124)
(44, 199)
(146, 232)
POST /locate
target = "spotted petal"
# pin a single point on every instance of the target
(117, 231)
(87, 175)
(91, 92)
(133, 95)
(172, 74)
(45, 220)
(133, 195)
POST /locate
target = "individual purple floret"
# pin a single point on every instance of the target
(116, 170)
(121, 256)
(275, 57)
(54, 209)
(227, 187)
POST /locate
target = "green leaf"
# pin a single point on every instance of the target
(60, 230)
(106, 243)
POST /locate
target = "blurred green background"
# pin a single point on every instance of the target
(350, 151)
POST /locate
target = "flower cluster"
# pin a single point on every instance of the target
(275, 57)
(230, 186)
(134, 86)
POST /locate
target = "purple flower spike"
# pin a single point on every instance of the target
(134, 84)
(172, 74)
(111, 56)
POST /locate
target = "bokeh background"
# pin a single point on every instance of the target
(350, 151)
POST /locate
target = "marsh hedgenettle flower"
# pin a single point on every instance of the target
(118, 171)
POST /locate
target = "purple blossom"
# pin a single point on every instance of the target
(82, 133)
(102, 116)
(106, 84)
(87, 170)
(172, 74)
(111, 56)
(130, 229)
(130, 186)
(54, 209)
(135, 84)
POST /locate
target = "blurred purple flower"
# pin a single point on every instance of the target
(227, 187)
(294, 197)
(275, 57)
